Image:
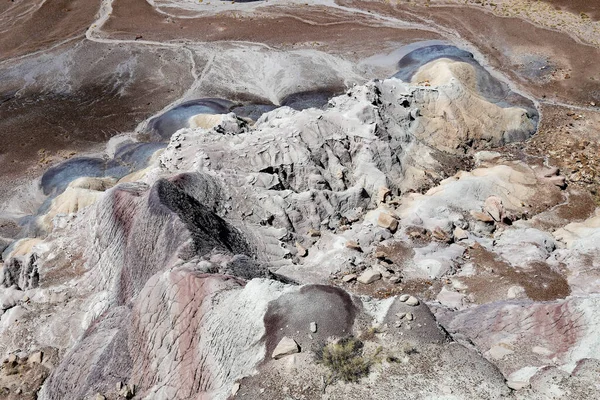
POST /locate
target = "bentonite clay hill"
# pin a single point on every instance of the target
(291, 200)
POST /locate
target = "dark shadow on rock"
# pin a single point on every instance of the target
(208, 230)
(317, 98)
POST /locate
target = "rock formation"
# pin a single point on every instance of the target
(393, 240)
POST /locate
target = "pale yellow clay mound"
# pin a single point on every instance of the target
(205, 121)
(99, 184)
(459, 113)
(80, 194)
(141, 174)
(443, 70)
(24, 247)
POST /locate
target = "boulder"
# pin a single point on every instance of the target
(369, 276)
(412, 301)
(460, 234)
(285, 347)
(387, 221)
(302, 252)
(482, 216)
(493, 206)
(36, 358)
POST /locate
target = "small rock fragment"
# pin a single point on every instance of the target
(515, 292)
(100, 397)
(313, 327)
(520, 379)
(127, 391)
(285, 347)
(542, 351)
(458, 285)
(409, 316)
(493, 206)
(395, 279)
(382, 270)
(349, 277)
(450, 299)
(369, 276)
(486, 156)
(314, 233)
(412, 301)
(235, 388)
(550, 172)
(481, 216)
(439, 234)
(302, 252)
(382, 255)
(387, 221)
(499, 351)
(460, 234)
(559, 181)
(404, 297)
(36, 358)
(517, 385)
(351, 244)
(352, 215)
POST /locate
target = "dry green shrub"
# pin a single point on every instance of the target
(369, 334)
(345, 360)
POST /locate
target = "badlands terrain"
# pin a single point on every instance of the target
(281, 199)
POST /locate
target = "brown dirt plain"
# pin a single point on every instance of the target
(42, 123)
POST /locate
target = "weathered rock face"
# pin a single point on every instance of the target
(537, 334)
(219, 266)
(300, 168)
(460, 115)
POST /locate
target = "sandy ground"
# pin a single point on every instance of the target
(27, 28)
(591, 8)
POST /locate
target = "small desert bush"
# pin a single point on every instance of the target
(369, 334)
(345, 360)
